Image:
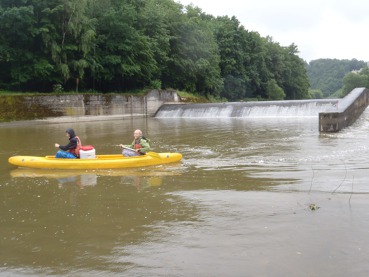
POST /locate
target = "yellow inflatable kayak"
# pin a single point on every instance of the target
(99, 162)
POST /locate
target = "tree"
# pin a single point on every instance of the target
(288, 70)
(316, 94)
(124, 56)
(274, 92)
(327, 74)
(154, 20)
(241, 59)
(69, 36)
(355, 79)
(120, 45)
(50, 42)
(193, 63)
(17, 33)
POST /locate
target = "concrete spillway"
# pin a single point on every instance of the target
(334, 114)
(298, 108)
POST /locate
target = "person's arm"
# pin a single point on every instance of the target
(132, 145)
(71, 145)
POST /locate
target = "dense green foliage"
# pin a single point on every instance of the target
(116, 46)
(355, 79)
(326, 75)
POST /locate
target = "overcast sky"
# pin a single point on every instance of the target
(333, 29)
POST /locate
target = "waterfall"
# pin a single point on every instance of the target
(293, 108)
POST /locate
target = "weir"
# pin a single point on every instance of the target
(267, 109)
(334, 114)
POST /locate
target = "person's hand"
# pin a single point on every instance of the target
(121, 145)
(57, 145)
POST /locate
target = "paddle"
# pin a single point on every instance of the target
(152, 154)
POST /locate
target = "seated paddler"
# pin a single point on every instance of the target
(71, 150)
(139, 146)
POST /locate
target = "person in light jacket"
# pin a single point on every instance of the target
(139, 146)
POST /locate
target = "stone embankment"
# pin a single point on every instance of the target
(106, 104)
(85, 107)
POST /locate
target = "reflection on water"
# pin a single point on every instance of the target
(69, 220)
(81, 180)
(237, 205)
(140, 179)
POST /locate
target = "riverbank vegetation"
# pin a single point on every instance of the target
(185, 96)
(128, 45)
(333, 78)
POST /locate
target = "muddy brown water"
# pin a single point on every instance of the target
(252, 197)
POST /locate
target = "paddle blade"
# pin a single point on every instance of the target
(152, 154)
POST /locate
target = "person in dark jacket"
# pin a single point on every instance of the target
(68, 151)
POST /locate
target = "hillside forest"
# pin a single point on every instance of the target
(335, 78)
(128, 45)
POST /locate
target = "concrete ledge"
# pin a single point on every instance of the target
(347, 112)
(86, 118)
(287, 108)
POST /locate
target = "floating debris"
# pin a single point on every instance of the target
(313, 207)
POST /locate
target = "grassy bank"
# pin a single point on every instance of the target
(185, 96)
(192, 98)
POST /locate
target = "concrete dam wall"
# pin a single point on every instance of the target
(267, 109)
(347, 112)
(105, 104)
(334, 114)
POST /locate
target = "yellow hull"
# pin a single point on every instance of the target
(100, 162)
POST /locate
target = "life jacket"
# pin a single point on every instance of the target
(137, 144)
(75, 151)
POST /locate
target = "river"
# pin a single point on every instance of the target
(251, 197)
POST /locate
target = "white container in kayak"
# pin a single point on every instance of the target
(87, 154)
